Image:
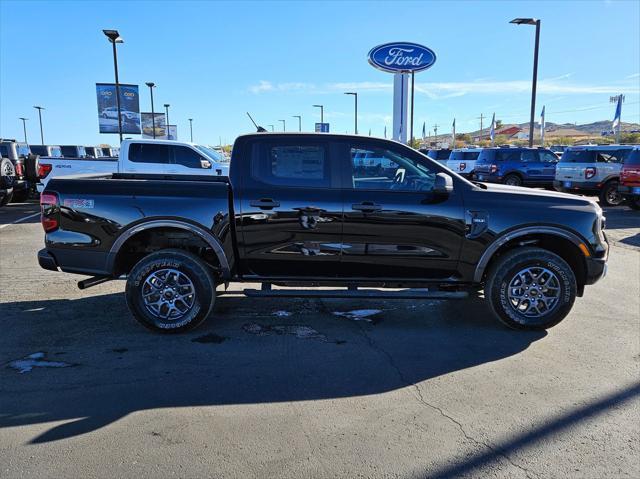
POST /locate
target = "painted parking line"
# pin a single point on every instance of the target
(25, 218)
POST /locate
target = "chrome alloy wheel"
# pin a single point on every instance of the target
(168, 294)
(534, 291)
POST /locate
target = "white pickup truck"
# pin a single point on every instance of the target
(140, 156)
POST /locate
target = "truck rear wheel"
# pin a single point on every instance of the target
(170, 291)
(513, 180)
(609, 195)
(530, 289)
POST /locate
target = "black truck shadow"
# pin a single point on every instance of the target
(124, 368)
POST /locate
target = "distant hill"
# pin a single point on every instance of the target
(594, 128)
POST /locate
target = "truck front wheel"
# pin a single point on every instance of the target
(530, 288)
(170, 291)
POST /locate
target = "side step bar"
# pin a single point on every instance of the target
(355, 293)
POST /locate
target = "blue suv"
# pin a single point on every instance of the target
(517, 166)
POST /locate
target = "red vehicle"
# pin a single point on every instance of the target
(629, 186)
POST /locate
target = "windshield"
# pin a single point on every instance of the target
(578, 156)
(211, 153)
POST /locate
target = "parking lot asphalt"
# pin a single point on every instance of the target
(314, 388)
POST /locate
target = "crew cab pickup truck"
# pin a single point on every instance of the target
(297, 211)
(140, 156)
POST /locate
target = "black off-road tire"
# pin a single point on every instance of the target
(512, 180)
(189, 266)
(6, 197)
(609, 190)
(506, 269)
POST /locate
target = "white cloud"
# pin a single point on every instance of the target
(443, 90)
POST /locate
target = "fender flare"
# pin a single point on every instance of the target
(203, 234)
(502, 240)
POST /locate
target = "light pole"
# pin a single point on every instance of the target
(532, 21)
(40, 108)
(355, 95)
(24, 127)
(321, 112)
(299, 117)
(284, 125)
(114, 37)
(271, 127)
(166, 119)
(191, 128)
(151, 85)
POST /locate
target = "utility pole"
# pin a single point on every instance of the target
(435, 132)
(481, 118)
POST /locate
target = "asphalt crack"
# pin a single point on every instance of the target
(420, 398)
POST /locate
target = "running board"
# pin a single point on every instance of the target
(355, 293)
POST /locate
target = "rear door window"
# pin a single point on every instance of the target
(506, 155)
(578, 156)
(529, 156)
(292, 164)
(612, 156)
(148, 153)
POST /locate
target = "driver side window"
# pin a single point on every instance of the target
(381, 169)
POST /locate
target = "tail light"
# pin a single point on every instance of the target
(589, 173)
(43, 170)
(48, 213)
(630, 174)
(493, 169)
(19, 169)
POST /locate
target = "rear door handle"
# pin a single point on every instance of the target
(367, 207)
(265, 203)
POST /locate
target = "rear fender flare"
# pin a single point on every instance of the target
(205, 235)
(504, 239)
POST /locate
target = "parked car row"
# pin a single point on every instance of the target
(588, 169)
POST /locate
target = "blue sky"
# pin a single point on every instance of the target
(213, 61)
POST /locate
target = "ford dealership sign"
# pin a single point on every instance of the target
(401, 57)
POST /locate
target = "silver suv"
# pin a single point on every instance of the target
(592, 169)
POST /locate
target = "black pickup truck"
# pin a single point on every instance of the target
(299, 211)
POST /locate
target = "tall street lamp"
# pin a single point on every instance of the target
(284, 125)
(191, 128)
(166, 119)
(151, 85)
(321, 112)
(299, 117)
(271, 127)
(355, 95)
(532, 21)
(24, 127)
(40, 108)
(114, 37)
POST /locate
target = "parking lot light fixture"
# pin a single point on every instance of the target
(299, 117)
(191, 128)
(355, 95)
(321, 112)
(271, 127)
(536, 22)
(151, 86)
(114, 37)
(40, 108)
(24, 127)
(284, 125)
(166, 119)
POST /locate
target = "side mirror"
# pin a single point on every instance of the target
(443, 184)
(205, 164)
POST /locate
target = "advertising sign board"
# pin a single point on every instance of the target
(108, 108)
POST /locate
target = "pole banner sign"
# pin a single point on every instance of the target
(401, 57)
(147, 125)
(108, 108)
(173, 132)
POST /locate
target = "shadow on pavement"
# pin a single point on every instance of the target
(122, 368)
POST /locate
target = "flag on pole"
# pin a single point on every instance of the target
(453, 134)
(616, 119)
(423, 129)
(542, 125)
(492, 132)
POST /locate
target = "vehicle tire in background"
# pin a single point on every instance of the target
(634, 203)
(530, 288)
(7, 178)
(512, 180)
(170, 291)
(20, 196)
(609, 195)
(5, 196)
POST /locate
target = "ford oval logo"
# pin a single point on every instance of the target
(401, 57)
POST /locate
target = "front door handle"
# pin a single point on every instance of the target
(366, 207)
(265, 203)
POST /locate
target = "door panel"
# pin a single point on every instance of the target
(394, 225)
(291, 212)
